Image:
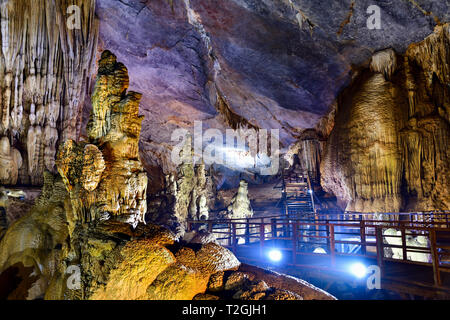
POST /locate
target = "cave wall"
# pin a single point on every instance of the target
(389, 148)
(46, 62)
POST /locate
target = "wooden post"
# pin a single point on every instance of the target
(380, 248)
(328, 233)
(435, 257)
(210, 227)
(294, 243)
(405, 251)
(230, 238)
(332, 246)
(363, 237)
(247, 232)
(273, 227)
(261, 240)
(234, 238)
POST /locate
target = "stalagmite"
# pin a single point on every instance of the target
(105, 177)
(240, 207)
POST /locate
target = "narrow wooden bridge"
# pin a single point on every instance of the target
(409, 248)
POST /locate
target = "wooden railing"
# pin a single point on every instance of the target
(299, 238)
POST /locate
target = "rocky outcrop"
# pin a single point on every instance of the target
(37, 241)
(104, 176)
(388, 150)
(84, 240)
(110, 260)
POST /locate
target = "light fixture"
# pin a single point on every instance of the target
(275, 255)
(310, 191)
(358, 270)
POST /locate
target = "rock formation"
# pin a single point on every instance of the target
(240, 207)
(185, 196)
(10, 163)
(104, 176)
(389, 148)
(43, 78)
(84, 240)
(393, 237)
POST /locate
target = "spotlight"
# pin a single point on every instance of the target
(359, 270)
(275, 255)
(310, 191)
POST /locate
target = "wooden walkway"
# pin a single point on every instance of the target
(332, 242)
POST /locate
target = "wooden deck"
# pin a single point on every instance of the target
(345, 242)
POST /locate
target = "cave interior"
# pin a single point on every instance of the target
(215, 142)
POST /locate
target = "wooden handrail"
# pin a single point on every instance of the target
(368, 233)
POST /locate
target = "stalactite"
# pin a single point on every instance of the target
(384, 62)
(43, 78)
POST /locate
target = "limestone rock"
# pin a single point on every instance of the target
(105, 177)
(283, 295)
(388, 151)
(240, 207)
(36, 240)
(210, 259)
(143, 262)
(93, 167)
(205, 296)
(177, 283)
(216, 282)
(236, 280)
(44, 80)
(283, 282)
(10, 163)
(185, 195)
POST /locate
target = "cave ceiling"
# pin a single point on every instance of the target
(272, 63)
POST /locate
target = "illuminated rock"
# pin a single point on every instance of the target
(240, 207)
(105, 178)
(10, 163)
(44, 79)
(388, 151)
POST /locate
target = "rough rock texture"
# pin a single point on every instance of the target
(252, 283)
(45, 70)
(104, 176)
(60, 250)
(269, 64)
(36, 240)
(119, 262)
(389, 148)
(187, 194)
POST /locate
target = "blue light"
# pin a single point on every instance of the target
(310, 191)
(275, 255)
(358, 270)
